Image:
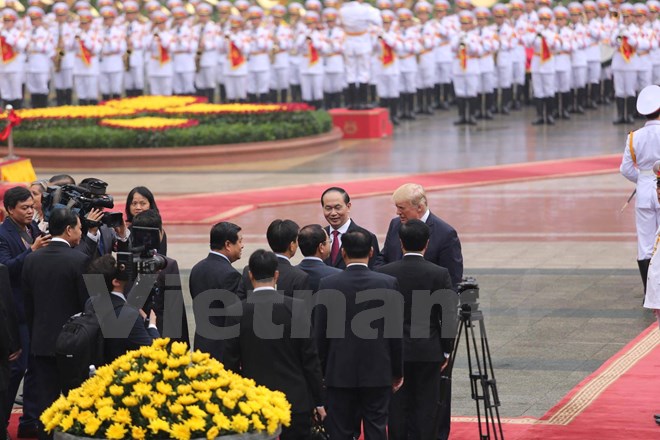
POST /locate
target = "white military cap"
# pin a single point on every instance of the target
(648, 100)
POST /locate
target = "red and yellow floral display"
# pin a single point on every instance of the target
(149, 123)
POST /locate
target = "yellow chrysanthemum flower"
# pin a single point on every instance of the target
(146, 377)
(179, 348)
(212, 408)
(116, 390)
(142, 389)
(131, 377)
(257, 423)
(148, 412)
(130, 401)
(186, 400)
(66, 423)
(123, 415)
(170, 374)
(164, 388)
(116, 431)
(105, 413)
(175, 408)
(93, 424)
(158, 399)
(196, 424)
(180, 431)
(240, 423)
(138, 432)
(212, 433)
(157, 425)
(221, 421)
(184, 389)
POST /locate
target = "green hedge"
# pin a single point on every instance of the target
(212, 130)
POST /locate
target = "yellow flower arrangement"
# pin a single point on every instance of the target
(214, 403)
(213, 109)
(72, 112)
(152, 103)
(149, 123)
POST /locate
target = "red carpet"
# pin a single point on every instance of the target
(616, 402)
(186, 209)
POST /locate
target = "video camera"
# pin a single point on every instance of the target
(142, 258)
(468, 294)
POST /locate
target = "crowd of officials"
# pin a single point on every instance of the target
(408, 57)
(387, 386)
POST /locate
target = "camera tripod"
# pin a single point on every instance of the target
(482, 377)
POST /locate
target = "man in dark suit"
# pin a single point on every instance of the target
(20, 236)
(444, 247)
(314, 244)
(336, 205)
(115, 280)
(283, 363)
(360, 371)
(53, 290)
(282, 236)
(10, 345)
(215, 272)
(413, 409)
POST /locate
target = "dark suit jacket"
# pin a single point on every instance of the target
(291, 279)
(213, 272)
(138, 337)
(110, 241)
(9, 339)
(444, 247)
(12, 255)
(414, 273)
(351, 361)
(340, 264)
(316, 270)
(290, 365)
(170, 292)
(53, 290)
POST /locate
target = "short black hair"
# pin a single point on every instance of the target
(59, 219)
(106, 266)
(263, 265)
(356, 243)
(16, 195)
(61, 179)
(309, 239)
(414, 235)
(223, 232)
(148, 219)
(280, 234)
(653, 115)
(144, 192)
(341, 191)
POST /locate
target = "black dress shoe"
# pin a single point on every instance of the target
(27, 432)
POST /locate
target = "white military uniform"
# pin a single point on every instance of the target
(86, 65)
(646, 40)
(279, 76)
(543, 71)
(112, 63)
(387, 49)
(208, 38)
(563, 50)
(184, 47)
(624, 72)
(159, 66)
(40, 50)
(259, 62)
(235, 48)
(136, 33)
(426, 69)
(312, 47)
(489, 46)
(579, 56)
(652, 297)
(333, 81)
(64, 33)
(466, 77)
(445, 28)
(12, 68)
(294, 56)
(505, 55)
(408, 50)
(357, 18)
(593, 38)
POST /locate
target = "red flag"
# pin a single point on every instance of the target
(8, 53)
(85, 54)
(387, 54)
(13, 120)
(626, 49)
(313, 54)
(163, 55)
(545, 50)
(463, 57)
(236, 58)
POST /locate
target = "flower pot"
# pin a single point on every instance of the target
(248, 436)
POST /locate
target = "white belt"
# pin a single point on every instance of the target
(647, 172)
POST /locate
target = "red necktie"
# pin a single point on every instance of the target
(334, 251)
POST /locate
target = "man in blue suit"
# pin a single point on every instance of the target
(20, 236)
(314, 244)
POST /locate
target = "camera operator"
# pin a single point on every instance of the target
(168, 282)
(116, 280)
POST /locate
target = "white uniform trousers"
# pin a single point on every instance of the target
(160, 85)
(563, 78)
(311, 86)
(388, 85)
(63, 79)
(408, 82)
(279, 78)
(111, 83)
(579, 78)
(594, 69)
(505, 76)
(647, 222)
(87, 86)
(37, 83)
(358, 68)
(486, 82)
(466, 86)
(544, 84)
(258, 82)
(652, 298)
(443, 73)
(134, 78)
(375, 70)
(183, 83)
(333, 82)
(624, 83)
(11, 86)
(426, 75)
(656, 74)
(236, 87)
(518, 68)
(644, 78)
(206, 77)
(294, 74)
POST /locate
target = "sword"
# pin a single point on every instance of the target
(628, 201)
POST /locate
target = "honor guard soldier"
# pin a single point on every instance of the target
(158, 48)
(258, 61)
(562, 54)
(63, 35)
(544, 41)
(519, 53)
(594, 35)
(150, 8)
(467, 50)
(206, 60)
(12, 69)
(578, 59)
(40, 50)
(623, 67)
(184, 48)
(426, 68)
(113, 49)
(224, 11)
(445, 29)
(646, 40)
(312, 46)
(297, 27)
(388, 46)
(282, 44)
(135, 33)
(640, 154)
(487, 79)
(357, 17)
(334, 60)
(86, 63)
(508, 45)
(235, 47)
(608, 24)
(411, 46)
(654, 9)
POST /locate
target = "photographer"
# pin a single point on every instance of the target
(116, 280)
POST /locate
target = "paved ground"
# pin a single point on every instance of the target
(555, 259)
